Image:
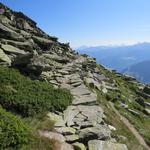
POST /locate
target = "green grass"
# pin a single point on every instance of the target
(25, 103)
(115, 121)
(26, 97)
(128, 94)
(14, 132)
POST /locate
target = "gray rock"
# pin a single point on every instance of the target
(4, 57)
(72, 138)
(85, 99)
(69, 115)
(92, 83)
(59, 122)
(76, 84)
(64, 146)
(27, 45)
(147, 104)
(105, 145)
(134, 112)
(65, 130)
(93, 113)
(42, 41)
(100, 77)
(80, 90)
(147, 111)
(12, 49)
(63, 72)
(101, 132)
(7, 32)
(79, 146)
(112, 128)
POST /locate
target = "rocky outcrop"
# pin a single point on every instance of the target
(26, 47)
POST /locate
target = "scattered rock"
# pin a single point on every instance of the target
(101, 132)
(105, 145)
(4, 57)
(86, 99)
(12, 49)
(79, 146)
(134, 112)
(147, 111)
(72, 138)
(65, 130)
(112, 128)
(80, 90)
(59, 122)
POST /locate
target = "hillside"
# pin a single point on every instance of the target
(119, 57)
(52, 98)
(140, 71)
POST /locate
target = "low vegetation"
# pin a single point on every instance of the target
(127, 96)
(27, 97)
(122, 134)
(14, 132)
(27, 101)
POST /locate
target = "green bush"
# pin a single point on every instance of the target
(14, 133)
(29, 97)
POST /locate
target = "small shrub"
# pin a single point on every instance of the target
(14, 133)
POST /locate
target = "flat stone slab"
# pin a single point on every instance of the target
(69, 115)
(105, 145)
(94, 114)
(12, 49)
(77, 115)
(80, 90)
(85, 100)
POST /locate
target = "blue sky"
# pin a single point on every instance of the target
(90, 22)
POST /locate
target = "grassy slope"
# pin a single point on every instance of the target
(29, 100)
(127, 94)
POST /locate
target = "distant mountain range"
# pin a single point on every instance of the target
(122, 57)
(140, 71)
